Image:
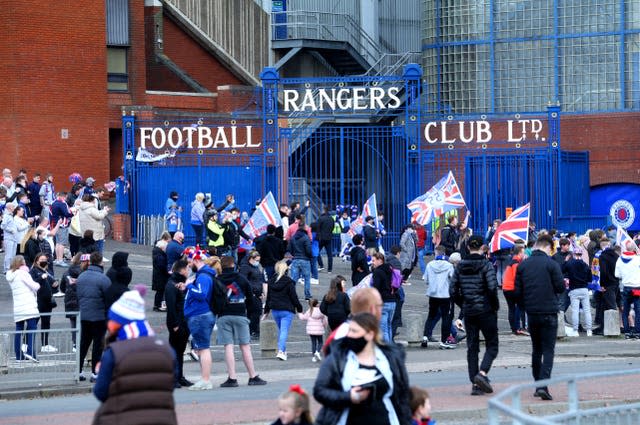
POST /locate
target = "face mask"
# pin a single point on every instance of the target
(356, 344)
(43, 264)
(194, 269)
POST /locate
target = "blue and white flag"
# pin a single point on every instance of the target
(266, 213)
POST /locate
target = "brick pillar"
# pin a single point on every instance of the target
(121, 227)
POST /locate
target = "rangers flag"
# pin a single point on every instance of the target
(622, 237)
(266, 213)
(515, 227)
(442, 197)
(370, 209)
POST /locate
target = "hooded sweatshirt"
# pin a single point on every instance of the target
(120, 275)
(281, 295)
(437, 275)
(628, 270)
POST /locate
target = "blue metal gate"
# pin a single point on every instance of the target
(345, 165)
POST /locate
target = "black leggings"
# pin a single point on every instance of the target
(316, 343)
(45, 325)
(92, 332)
(178, 341)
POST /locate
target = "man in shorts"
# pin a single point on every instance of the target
(60, 212)
(233, 324)
(198, 313)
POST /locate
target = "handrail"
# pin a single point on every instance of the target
(324, 26)
(497, 405)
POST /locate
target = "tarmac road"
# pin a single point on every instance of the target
(443, 372)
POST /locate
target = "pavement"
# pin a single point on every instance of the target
(443, 372)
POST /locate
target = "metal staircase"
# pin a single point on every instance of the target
(387, 64)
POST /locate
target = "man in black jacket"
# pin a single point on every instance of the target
(370, 233)
(325, 236)
(475, 289)
(232, 321)
(271, 250)
(450, 235)
(606, 259)
(539, 282)
(251, 270)
(359, 266)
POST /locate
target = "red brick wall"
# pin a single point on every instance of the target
(613, 141)
(58, 65)
(193, 59)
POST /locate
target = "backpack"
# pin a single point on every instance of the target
(396, 279)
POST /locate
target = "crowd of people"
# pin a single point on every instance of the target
(217, 282)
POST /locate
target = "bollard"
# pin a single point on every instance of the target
(611, 323)
(5, 353)
(413, 324)
(268, 336)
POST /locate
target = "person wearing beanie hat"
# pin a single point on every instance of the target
(134, 354)
(120, 275)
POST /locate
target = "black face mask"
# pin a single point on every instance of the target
(194, 269)
(355, 344)
(43, 265)
(175, 198)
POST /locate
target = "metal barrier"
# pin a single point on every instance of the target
(149, 228)
(575, 414)
(45, 368)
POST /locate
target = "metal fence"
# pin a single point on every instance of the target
(575, 412)
(149, 228)
(45, 368)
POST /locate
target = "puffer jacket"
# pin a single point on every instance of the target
(316, 321)
(329, 392)
(91, 219)
(474, 286)
(281, 295)
(91, 286)
(24, 290)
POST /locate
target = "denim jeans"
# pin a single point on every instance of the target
(283, 319)
(421, 253)
(580, 297)
(302, 269)
(314, 267)
(627, 300)
(386, 320)
(32, 325)
(100, 245)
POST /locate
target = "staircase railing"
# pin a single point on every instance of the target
(327, 26)
(301, 191)
(387, 64)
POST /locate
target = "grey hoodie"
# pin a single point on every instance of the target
(437, 275)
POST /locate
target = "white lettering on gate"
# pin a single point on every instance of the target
(199, 137)
(480, 131)
(356, 98)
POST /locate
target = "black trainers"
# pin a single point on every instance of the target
(424, 344)
(256, 380)
(483, 382)
(185, 382)
(476, 390)
(229, 383)
(543, 393)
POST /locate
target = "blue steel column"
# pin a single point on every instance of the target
(125, 202)
(412, 76)
(271, 164)
(553, 119)
(623, 65)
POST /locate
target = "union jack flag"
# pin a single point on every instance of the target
(622, 237)
(442, 197)
(370, 209)
(515, 227)
(266, 213)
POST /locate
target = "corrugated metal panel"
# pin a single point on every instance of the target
(118, 22)
(400, 23)
(348, 7)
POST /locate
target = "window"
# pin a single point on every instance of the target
(117, 75)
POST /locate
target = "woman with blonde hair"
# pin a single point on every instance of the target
(283, 302)
(29, 246)
(197, 217)
(214, 263)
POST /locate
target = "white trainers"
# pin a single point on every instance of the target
(315, 281)
(24, 348)
(317, 356)
(282, 355)
(58, 294)
(572, 333)
(589, 333)
(48, 349)
(201, 386)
